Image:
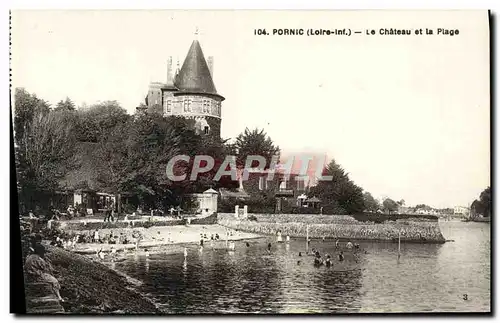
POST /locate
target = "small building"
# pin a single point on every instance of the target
(81, 186)
(313, 202)
(206, 202)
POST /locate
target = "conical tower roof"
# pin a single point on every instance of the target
(194, 75)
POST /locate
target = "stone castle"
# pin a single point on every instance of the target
(189, 92)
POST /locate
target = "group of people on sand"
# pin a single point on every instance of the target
(67, 241)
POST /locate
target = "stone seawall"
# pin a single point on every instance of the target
(341, 227)
(83, 224)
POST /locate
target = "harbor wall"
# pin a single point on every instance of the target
(341, 227)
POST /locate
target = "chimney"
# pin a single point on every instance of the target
(170, 77)
(210, 63)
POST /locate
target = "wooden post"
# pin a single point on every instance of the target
(399, 244)
(307, 239)
(119, 202)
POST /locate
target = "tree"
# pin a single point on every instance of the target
(390, 206)
(97, 121)
(26, 106)
(255, 142)
(66, 105)
(44, 154)
(485, 199)
(483, 205)
(401, 202)
(135, 155)
(340, 194)
(371, 204)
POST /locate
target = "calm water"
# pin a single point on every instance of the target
(249, 280)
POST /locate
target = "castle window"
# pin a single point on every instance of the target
(206, 106)
(206, 130)
(187, 105)
(217, 108)
(169, 106)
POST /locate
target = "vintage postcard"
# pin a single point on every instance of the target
(250, 162)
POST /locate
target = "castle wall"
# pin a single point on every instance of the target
(191, 105)
(155, 98)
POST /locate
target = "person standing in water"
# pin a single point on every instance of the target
(328, 261)
(269, 247)
(341, 256)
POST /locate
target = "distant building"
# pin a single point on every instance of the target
(461, 210)
(405, 210)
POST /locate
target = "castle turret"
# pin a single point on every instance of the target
(190, 93)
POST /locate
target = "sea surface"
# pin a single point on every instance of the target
(450, 277)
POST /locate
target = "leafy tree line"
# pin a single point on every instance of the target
(482, 206)
(132, 151)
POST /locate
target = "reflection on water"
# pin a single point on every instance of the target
(251, 280)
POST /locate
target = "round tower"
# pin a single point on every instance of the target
(191, 93)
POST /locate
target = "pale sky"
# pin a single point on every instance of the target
(407, 116)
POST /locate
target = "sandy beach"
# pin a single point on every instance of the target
(164, 239)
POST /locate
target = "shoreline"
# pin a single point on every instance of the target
(90, 286)
(342, 228)
(163, 238)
